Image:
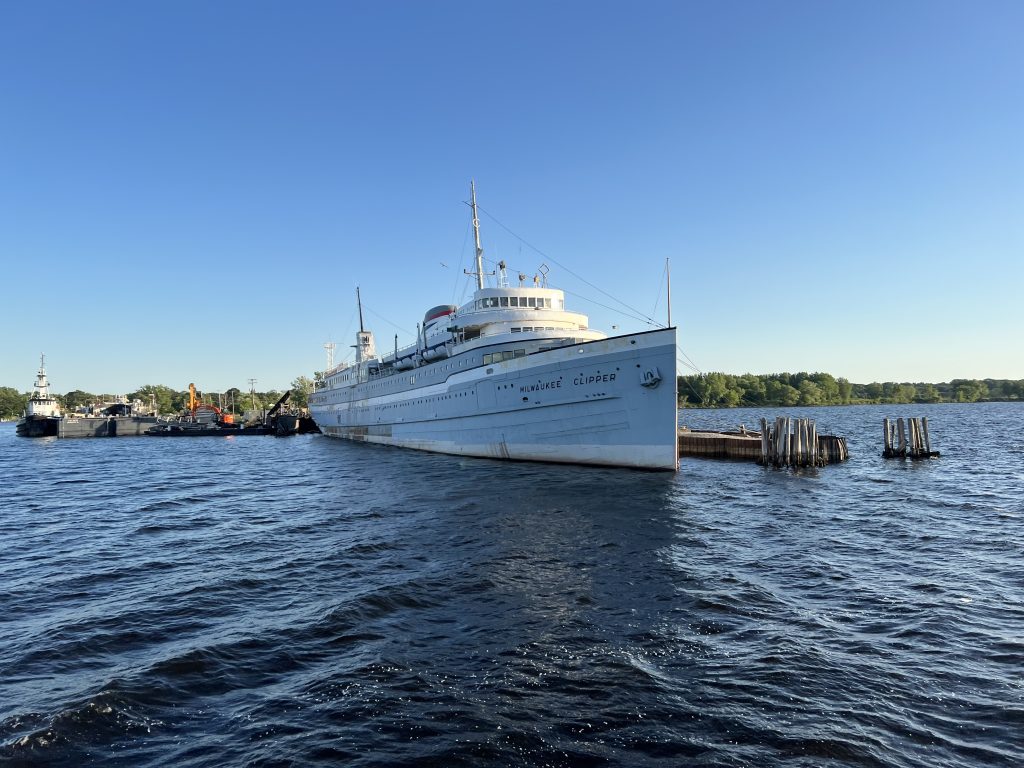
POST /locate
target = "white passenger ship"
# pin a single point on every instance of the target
(510, 375)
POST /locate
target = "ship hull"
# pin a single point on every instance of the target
(610, 402)
(37, 426)
(173, 430)
(85, 426)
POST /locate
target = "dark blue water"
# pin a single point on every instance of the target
(302, 601)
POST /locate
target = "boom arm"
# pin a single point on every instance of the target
(281, 401)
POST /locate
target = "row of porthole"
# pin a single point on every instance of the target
(421, 402)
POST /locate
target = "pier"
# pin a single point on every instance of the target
(742, 446)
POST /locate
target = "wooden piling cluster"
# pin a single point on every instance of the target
(795, 443)
(779, 446)
(907, 439)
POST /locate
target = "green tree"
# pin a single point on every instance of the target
(780, 393)
(906, 393)
(927, 393)
(301, 389)
(12, 403)
(969, 390)
(76, 398)
(167, 400)
(754, 390)
(810, 393)
(829, 388)
(845, 390)
(234, 400)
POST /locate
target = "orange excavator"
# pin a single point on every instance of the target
(195, 405)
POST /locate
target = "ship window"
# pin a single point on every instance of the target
(561, 303)
(504, 301)
(547, 303)
(513, 301)
(507, 354)
(516, 330)
(519, 353)
(531, 302)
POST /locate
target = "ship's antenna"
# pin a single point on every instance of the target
(359, 302)
(476, 234)
(668, 289)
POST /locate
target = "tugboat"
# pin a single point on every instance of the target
(42, 416)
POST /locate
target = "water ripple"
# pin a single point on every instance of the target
(380, 607)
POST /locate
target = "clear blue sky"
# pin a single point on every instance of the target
(191, 191)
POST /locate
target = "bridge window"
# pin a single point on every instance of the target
(504, 301)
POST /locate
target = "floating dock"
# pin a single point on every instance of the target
(743, 446)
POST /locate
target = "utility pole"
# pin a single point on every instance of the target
(252, 391)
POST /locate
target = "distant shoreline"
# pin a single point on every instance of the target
(695, 407)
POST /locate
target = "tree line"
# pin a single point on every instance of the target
(166, 399)
(705, 390)
(724, 390)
